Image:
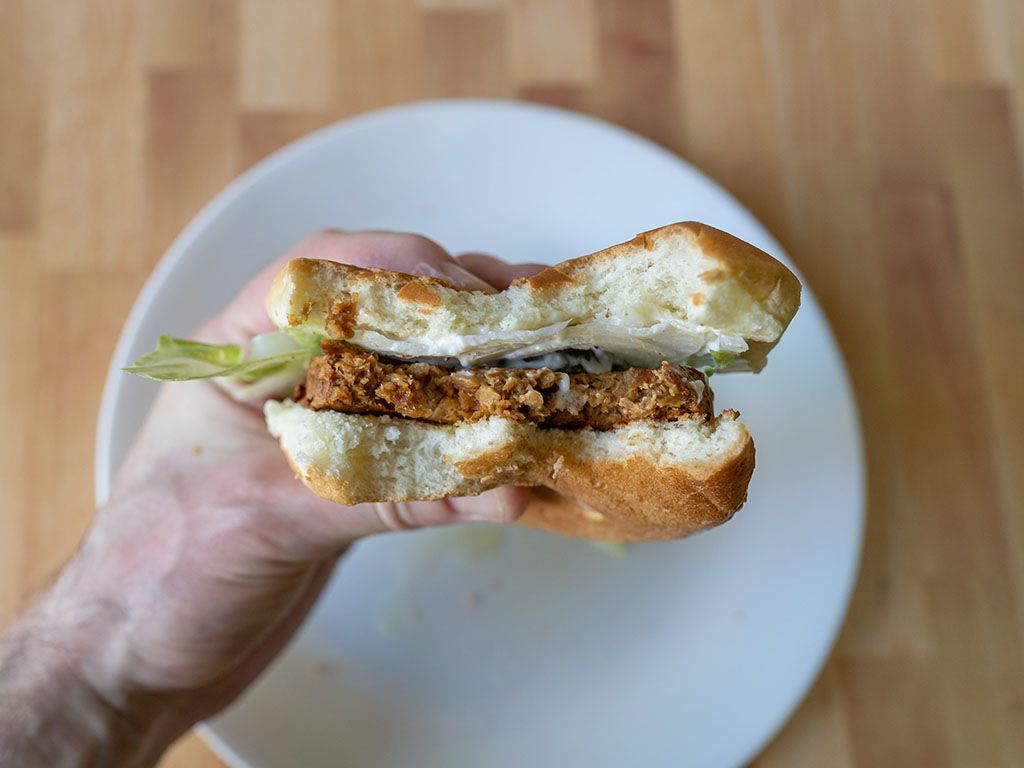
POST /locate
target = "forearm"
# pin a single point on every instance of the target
(52, 713)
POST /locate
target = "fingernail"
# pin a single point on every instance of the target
(487, 507)
(516, 498)
(422, 268)
(504, 510)
(459, 275)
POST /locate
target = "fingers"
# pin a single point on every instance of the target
(327, 526)
(397, 251)
(311, 527)
(319, 528)
(499, 505)
(246, 315)
(455, 274)
(494, 270)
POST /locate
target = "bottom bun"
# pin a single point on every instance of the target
(641, 481)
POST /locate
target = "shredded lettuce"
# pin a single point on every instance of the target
(276, 361)
(722, 359)
(712, 361)
(569, 361)
(271, 355)
(616, 549)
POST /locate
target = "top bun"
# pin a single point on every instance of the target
(677, 293)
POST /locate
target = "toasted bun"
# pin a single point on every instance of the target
(642, 481)
(673, 294)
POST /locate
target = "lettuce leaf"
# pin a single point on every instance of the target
(722, 359)
(182, 360)
(710, 362)
(616, 549)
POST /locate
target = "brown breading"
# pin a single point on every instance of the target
(349, 379)
(341, 318)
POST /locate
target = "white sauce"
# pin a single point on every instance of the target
(670, 340)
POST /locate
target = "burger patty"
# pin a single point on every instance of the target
(352, 380)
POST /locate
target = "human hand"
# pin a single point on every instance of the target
(210, 552)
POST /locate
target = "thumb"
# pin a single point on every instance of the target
(498, 505)
(319, 527)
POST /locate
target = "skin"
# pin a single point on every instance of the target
(207, 557)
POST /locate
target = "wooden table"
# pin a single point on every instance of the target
(879, 140)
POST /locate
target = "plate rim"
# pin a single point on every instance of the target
(103, 471)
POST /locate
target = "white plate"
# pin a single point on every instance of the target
(451, 648)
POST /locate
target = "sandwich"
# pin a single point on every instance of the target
(589, 381)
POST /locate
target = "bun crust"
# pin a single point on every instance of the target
(766, 278)
(643, 481)
(673, 293)
(642, 500)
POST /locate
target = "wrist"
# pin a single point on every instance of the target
(62, 701)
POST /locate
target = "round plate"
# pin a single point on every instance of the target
(506, 647)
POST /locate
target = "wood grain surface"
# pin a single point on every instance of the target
(880, 141)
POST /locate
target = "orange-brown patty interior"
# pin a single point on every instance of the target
(353, 380)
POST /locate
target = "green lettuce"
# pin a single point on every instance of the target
(710, 362)
(271, 354)
(616, 549)
(722, 359)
